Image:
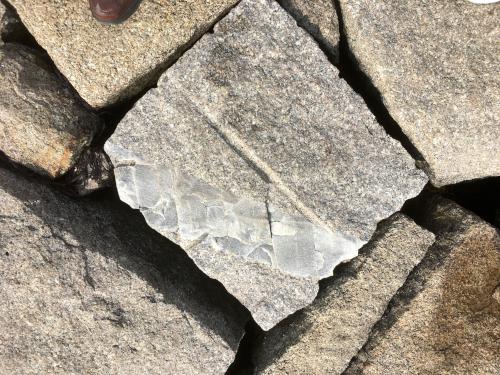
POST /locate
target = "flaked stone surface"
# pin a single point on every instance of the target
(42, 124)
(87, 288)
(252, 146)
(319, 18)
(446, 318)
(322, 338)
(109, 63)
(436, 65)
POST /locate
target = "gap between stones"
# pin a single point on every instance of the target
(480, 196)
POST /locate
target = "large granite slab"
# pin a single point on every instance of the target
(87, 288)
(109, 63)
(436, 66)
(252, 151)
(43, 125)
(324, 337)
(319, 18)
(446, 318)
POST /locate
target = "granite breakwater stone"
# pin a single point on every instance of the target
(436, 66)
(323, 338)
(43, 125)
(446, 318)
(110, 63)
(88, 288)
(253, 151)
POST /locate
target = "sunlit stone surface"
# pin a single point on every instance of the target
(260, 162)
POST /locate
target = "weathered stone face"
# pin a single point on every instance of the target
(87, 288)
(319, 18)
(324, 337)
(109, 63)
(252, 151)
(446, 318)
(435, 64)
(42, 124)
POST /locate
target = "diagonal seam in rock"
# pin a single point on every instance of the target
(262, 168)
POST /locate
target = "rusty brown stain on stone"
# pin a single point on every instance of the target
(467, 320)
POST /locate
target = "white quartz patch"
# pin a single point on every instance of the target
(187, 210)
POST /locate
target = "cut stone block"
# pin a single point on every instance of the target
(252, 151)
(446, 318)
(88, 288)
(324, 337)
(109, 63)
(42, 124)
(435, 64)
(319, 18)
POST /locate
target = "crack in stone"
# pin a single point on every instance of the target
(265, 171)
(206, 215)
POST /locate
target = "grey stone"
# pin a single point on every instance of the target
(436, 66)
(251, 146)
(319, 18)
(88, 288)
(42, 124)
(110, 63)
(446, 318)
(322, 338)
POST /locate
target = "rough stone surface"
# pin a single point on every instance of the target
(446, 319)
(251, 146)
(107, 63)
(436, 65)
(323, 338)
(319, 18)
(42, 124)
(88, 288)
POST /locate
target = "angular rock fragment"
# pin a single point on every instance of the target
(80, 296)
(446, 319)
(318, 17)
(436, 66)
(324, 337)
(252, 153)
(106, 64)
(42, 124)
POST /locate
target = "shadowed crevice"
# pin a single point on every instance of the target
(351, 72)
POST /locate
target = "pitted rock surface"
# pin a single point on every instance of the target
(436, 66)
(110, 63)
(87, 288)
(251, 146)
